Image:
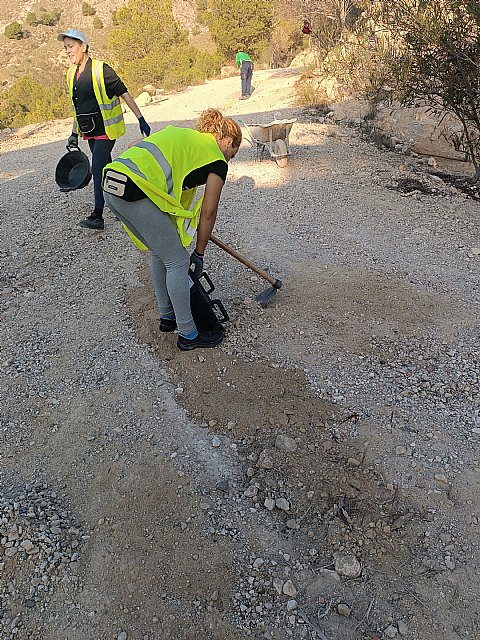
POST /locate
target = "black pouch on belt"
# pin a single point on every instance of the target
(88, 122)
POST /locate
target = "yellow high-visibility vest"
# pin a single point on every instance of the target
(110, 108)
(159, 164)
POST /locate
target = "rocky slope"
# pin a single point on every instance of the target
(41, 54)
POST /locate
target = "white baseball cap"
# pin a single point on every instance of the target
(75, 34)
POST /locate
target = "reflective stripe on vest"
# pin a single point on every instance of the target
(159, 165)
(162, 162)
(110, 108)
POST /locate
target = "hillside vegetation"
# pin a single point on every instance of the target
(149, 42)
(40, 53)
(413, 52)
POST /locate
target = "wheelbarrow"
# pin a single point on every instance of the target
(272, 137)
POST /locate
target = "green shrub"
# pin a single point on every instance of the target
(28, 102)
(88, 10)
(49, 18)
(14, 31)
(433, 59)
(232, 21)
(97, 23)
(201, 8)
(307, 94)
(150, 47)
(31, 19)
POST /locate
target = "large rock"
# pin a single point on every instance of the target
(228, 72)
(425, 132)
(350, 110)
(307, 58)
(332, 88)
(143, 99)
(150, 89)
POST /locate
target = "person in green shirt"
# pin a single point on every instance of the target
(245, 64)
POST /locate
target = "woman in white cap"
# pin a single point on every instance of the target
(95, 89)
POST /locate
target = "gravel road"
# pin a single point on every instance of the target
(317, 475)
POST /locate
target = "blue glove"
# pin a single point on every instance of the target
(196, 261)
(144, 127)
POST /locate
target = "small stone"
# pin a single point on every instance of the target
(400, 451)
(223, 485)
(289, 588)
(250, 491)
(449, 563)
(391, 631)
(402, 628)
(353, 462)
(258, 562)
(291, 605)
(282, 504)
(212, 423)
(285, 443)
(347, 565)
(122, 635)
(269, 503)
(278, 585)
(265, 460)
(216, 442)
(441, 478)
(344, 610)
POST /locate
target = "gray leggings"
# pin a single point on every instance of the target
(169, 259)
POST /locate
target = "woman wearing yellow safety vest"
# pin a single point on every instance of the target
(95, 90)
(151, 187)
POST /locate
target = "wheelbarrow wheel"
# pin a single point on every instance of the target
(280, 150)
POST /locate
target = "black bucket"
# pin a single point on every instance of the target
(73, 170)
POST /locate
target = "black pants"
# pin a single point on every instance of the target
(101, 155)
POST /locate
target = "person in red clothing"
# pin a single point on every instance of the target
(95, 90)
(306, 29)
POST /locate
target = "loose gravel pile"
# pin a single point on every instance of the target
(40, 546)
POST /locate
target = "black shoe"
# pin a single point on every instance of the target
(202, 341)
(92, 222)
(167, 325)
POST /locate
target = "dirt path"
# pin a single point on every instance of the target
(317, 476)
